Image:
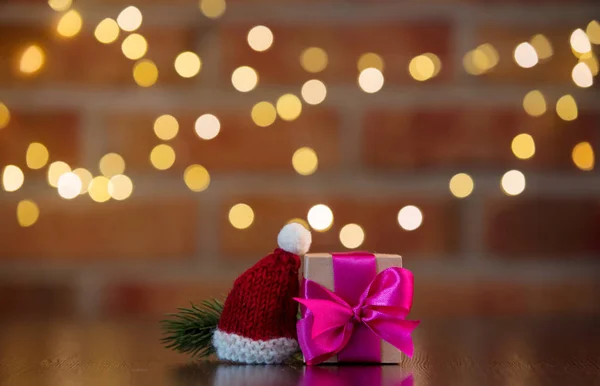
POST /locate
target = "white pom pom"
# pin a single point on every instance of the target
(294, 238)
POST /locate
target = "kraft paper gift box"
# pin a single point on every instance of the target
(318, 267)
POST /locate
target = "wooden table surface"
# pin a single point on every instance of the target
(513, 351)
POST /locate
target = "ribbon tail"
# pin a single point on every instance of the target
(396, 332)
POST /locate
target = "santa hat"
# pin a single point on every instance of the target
(258, 323)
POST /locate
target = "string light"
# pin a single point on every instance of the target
(513, 182)
(566, 108)
(481, 60)
(580, 43)
(27, 213)
(130, 19)
(69, 185)
(213, 9)
(593, 32)
(12, 178)
(288, 107)
(32, 59)
(263, 114)
(162, 157)
(134, 46)
(260, 38)
(461, 185)
(86, 177)
(145, 73)
(582, 75)
(207, 126)
(320, 217)
(60, 5)
(313, 59)
(592, 62)
(107, 31)
(583, 156)
(352, 236)
(55, 170)
(98, 189)
(241, 216)
(424, 67)
(188, 64)
(36, 156)
(196, 177)
(370, 59)
(120, 187)
(314, 92)
(244, 79)
(370, 80)
(534, 103)
(4, 115)
(111, 164)
(166, 127)
(410, 218)
(523, 146)
(305, 161)
(525, 55)
(542, 46)
(69, 24)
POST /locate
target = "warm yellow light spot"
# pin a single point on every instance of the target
(69, 24)
(566, 108)
(461, 185)
(98, 189)
(525, 55)
(134, 46)
(534, 103)
(289, 107)
(86, 177)
(162, 157)
(513, 182)
(352, 236)
(421, 68)
(241, 216)
(130, 19)
(299, 221)
(55, 170)
(542, 46)
(60, 5)
(166, 127)
(305, 161)
(207, 126)
(69, 185)
(120, 187)
(523, 146)
(196, 177)
(368, 60)
(263, 114)
(370, 80)
(213, 9)
(593, 31)
(107, 31)
(244, 78)
(314, 92)
(4, 115)
(37, 156)
(111, 164)
(410, 218)
(583, 156)
(32, 59)
(145, 73)
(320, 217)
(260, 38)
(188, 64)
(481, 59)
(592, 63)
(27, 213)
(582, 75)
(580, 43)
(12, 178)
(313, 59)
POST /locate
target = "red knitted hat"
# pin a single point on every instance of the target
(258, 322)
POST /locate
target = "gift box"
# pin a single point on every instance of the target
(354, 308)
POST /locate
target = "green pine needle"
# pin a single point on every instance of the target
(190, 330)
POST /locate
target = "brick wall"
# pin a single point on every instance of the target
(165, 245)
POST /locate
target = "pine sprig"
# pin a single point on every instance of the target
(190, 330)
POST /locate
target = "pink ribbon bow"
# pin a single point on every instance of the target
(330, 321)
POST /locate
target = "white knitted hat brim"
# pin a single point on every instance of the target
(236, 348)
